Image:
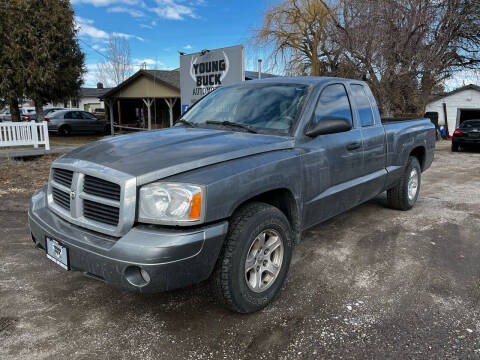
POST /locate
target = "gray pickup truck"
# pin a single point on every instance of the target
(227, 192)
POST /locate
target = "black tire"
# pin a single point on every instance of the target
(397, 197)
(229, 277)
(454, 147)
(65, 130)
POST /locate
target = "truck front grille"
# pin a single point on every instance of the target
(103, 202)
(61, 198)
(100, 212)
(63, 177)
(101, 188)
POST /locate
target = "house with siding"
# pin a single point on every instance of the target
(455, 107)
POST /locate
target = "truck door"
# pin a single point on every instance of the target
(373, 137)
(333, 162)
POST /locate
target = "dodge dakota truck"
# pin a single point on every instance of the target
(226, 193)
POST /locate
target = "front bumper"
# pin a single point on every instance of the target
(173, 258)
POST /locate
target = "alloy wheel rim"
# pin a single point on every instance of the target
(264, 260)
(413, 184)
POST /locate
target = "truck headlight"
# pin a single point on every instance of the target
(170, 203)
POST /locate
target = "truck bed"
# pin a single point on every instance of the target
(388, 120)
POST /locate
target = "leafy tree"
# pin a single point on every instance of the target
(11, 68)
(39, 54)
(54, 61)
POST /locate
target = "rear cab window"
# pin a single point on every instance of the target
(364, 107)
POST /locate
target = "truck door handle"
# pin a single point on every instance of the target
(353, 146)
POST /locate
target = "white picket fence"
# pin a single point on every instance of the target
(24, 133)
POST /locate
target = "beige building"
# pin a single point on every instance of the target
(149, 99)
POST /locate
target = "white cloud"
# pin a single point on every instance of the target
(132, 12)
(188, 47)
(170, 9)
(147, 61)
(99, 48)
(128, 36)
(85, 28)
(82, 20)
(98, 3)
(145, 26)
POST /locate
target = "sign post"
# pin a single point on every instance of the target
(205, 71)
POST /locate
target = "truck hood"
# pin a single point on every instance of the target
(157, 154)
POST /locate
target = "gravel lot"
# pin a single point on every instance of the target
(370, 283)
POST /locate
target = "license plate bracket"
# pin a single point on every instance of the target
(57, 253)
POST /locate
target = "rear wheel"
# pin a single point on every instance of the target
(254, 262)
(65, 130)
(405, 194)
(454, 147)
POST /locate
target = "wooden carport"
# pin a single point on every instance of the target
(156, 91)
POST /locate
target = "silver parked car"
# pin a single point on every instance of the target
(6, 115)
(68, 121)
(46, 111)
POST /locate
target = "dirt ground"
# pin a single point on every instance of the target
(57, 140)
(370, 283)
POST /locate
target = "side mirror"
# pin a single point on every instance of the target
(329, 125)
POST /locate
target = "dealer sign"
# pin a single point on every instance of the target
(203, 72)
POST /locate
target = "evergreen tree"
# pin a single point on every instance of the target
(12, 80)
(39, 54)
(54, 62)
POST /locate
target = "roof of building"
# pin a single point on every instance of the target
(252, 75)
(93, 91)
(457, 90)
(166, 77)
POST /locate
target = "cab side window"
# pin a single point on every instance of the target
(363, 105)
(333, 103)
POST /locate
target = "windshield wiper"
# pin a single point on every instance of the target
(185, 122)
(233, 124)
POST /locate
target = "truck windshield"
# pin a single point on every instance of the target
(261, 107)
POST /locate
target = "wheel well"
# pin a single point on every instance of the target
(284, 200)
(419, 153)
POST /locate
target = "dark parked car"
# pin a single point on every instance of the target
(227, 193)
(46, 111)
(69, 121)
(468, 134)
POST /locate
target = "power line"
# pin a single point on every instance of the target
(91, 47)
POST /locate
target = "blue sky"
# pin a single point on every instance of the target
(158, 29)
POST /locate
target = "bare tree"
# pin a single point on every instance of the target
(404, 48)
(297, 31)
(116, 67)
(407, 48)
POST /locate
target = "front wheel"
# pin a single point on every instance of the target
(254, 261)
(65, 130)
(405, 194)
